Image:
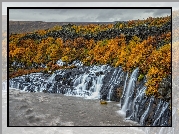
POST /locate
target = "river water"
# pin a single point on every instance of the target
(45, 109)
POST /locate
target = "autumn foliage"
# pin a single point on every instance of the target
(151, 53)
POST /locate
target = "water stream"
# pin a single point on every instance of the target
(101, 82)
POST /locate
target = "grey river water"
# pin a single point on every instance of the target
(45, 109)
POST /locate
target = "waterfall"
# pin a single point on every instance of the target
(100, 82)
(81, 85)
(128, 94)
(82, 81)
(138, 107)
(112, 80)
(89, 84)
(96, 88)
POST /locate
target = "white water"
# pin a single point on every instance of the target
(60, 63)
(81, 83)
(140, 107)
(89, 84)
(97, 84)
(77, 63)
(130, 88)
(111, 86)
(123, 94)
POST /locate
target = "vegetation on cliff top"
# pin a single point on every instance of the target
(142, 43)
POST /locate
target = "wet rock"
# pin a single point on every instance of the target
(99, 73)
(117, 94)
(27, 79)
(58, 78)
(110, 83)
(45, 91)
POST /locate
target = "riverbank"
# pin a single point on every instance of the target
(45, 109)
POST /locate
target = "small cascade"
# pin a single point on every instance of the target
(124, 90)
(81, 85)
(136, 106)
(89, 84)
(77, 63)
(52, 78)
(128, 95)
(97, 84)
(165, 130)
(138, 103)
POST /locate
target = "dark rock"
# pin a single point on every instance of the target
(111, 81)
(165, 87)
(99, 73)
(27, 79)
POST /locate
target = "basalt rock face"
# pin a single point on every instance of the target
(147, 111)
(113, 80)
(103, 82)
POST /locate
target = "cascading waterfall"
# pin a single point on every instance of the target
(82, 81)
(165, 130)
(128, 94)
(138, 107)
(96, 82)
(96, 87)
(81, 85)
(89, 84)
(111, 83)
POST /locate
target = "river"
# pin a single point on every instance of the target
(45, 109)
